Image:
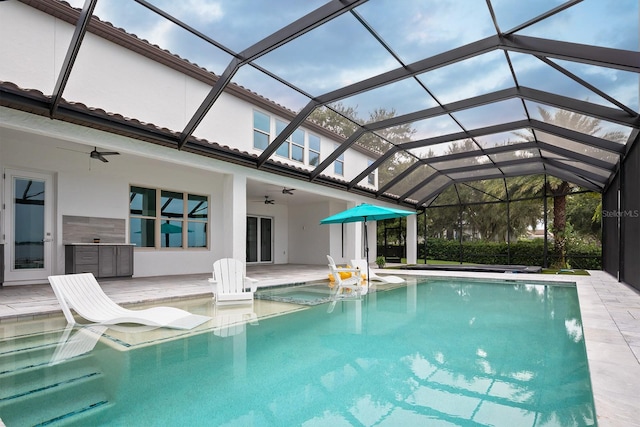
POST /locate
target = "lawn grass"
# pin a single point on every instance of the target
(575, 272)
(438, 262)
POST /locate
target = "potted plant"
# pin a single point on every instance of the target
(380, 262)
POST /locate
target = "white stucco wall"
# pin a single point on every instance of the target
(308, 240)
(86, 187)
(37, 49)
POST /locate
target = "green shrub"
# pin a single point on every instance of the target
(523, 252)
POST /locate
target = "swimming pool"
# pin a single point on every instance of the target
(434, 352)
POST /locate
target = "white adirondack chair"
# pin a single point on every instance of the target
(351, 286)
(230, 285)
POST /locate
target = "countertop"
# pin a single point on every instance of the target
(99, 244)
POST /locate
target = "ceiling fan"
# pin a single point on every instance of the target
(99, 155)
(268, 201)
(286, 190)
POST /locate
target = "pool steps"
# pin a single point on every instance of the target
(64, 391)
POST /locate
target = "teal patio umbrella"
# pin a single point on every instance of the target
(363, 213)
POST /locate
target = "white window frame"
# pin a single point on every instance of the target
(311, 150)
(261, 131)
(338, 161)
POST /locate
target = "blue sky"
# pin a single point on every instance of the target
(342, 52)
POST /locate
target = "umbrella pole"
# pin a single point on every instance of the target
(366, 249)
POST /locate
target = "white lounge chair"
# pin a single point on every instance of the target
(362, 265)
(230, 285)
(83, 294)
(351, 286)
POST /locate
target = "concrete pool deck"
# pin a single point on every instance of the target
(610, 318)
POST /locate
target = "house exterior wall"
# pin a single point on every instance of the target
(33, 59)
(308, 239)
(115, 79)
(107, 76)
(90, 188)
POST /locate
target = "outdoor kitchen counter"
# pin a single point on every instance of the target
(101, 259)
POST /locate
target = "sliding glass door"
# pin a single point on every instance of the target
(259, 239)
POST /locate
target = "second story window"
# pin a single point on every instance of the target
(338, 164)
(283, 149)
(261, 130)
(314, 150)
(293, 147)
(297, 145)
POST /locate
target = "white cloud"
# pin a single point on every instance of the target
(204, 11)
(445, 24)
(161, 34)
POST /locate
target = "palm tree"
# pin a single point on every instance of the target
(559, 189)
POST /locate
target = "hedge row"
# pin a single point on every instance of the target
(525, 252)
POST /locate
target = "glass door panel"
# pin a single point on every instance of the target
(28, 223)
(259, 239)
(29, 226)
(265, 239)
(252, 239)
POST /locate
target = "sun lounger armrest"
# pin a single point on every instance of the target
(253, 283)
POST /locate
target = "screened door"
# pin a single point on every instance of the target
(259, 239)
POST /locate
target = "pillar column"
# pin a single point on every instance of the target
(412, 239)
(234, 216)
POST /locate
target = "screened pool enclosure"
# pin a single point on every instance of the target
(452, 105)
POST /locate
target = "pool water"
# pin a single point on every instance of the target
(434, 352)
(305, 294)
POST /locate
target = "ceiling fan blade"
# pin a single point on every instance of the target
(99, 155)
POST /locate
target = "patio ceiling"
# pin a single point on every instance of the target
(482, 89)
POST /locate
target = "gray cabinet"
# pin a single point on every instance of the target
(81, 259)
(103, 260)
(107, 261)
(124, 260)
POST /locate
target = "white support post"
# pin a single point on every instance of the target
(234, 205)
(412, 239)
(372, 236)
